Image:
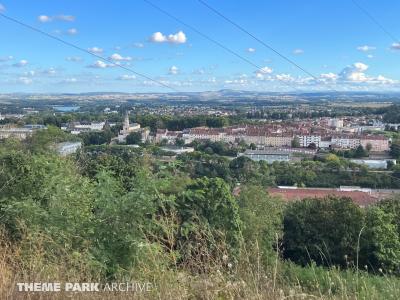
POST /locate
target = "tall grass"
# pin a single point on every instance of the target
(159, 263)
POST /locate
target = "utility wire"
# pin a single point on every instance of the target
(84, 50)
(163, 11)
(241, 28)
(374, 20)
(257, 39)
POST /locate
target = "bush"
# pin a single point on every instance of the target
(322, 230)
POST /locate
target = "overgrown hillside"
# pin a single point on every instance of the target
(121, 215)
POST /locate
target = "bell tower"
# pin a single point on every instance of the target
(126, 123)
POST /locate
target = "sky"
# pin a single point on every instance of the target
(333, 40)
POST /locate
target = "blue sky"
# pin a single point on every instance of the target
(332, 39)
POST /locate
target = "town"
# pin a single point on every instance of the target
(199, 150)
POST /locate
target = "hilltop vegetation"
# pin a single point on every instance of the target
(118, 214)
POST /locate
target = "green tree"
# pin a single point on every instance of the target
(322, 230)
(295, 142)
(262, 217)
(380, 243)
(360, 152)
(392, 206)
(208, 205)
(122, 220)
(180, 142)
(134, 138)
(395, 149)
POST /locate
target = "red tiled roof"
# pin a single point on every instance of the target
(359, 197)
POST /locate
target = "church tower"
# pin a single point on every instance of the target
(125, 128)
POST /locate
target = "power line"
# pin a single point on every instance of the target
(212, 40)
(257, 39)
(85, 50)
(241, 28)
(374, 20)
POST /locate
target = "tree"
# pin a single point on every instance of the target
(392, 206)
(179, 142)
(208, 205)
(360, 152)
(96, 138)
(134, 138)
(295, 143)
(45, 196)
(380, 243)
(262, 218)
(121, 219)
(322, 230)
(312, 146)
(41, 140)
(395, 149)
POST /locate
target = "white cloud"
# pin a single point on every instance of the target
(360, 67)
(99, 64)
(236, 81)
(138, 45)
(72, 31)
(177, 38)
(66, 18)
(95, 50)
(70, 80)
(50, 71)
(127, 77)
(385, 80)
(29, 73)
(329, 76)
(6, 58)
(370, 56)
(365, 48)
(24, 80)
(199, 72)
(298, 51)
(21, 63)
(395, 46)
(251, 50)
(354, 73)
(158, 37)
(46, 19)
(284, 77)
(74, 58)
(266, 70)
(118, 57)
(260, 74)
(173, 70)
(2, 8)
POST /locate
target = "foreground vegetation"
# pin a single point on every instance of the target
(121, 215)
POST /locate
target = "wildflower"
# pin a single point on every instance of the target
(229, 265)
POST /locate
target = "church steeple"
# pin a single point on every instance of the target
(126, 123)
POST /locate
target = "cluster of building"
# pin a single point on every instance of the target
(19, 133)
(127, 129)
(81, 127)
(326, 134)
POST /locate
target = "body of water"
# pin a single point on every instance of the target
(66, 108)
